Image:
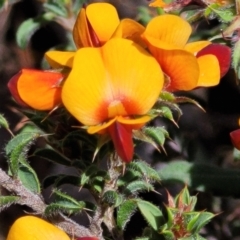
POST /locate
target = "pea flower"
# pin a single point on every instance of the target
(99, 22)
(37, 89)
(111, 89)
(186, 65)
(30, 227)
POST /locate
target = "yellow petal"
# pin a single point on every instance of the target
(209, 71)
(158, 3)
(29, 228)
(119, 71)
(104, 20)
(130, 29)
(134, 123)
(81, 34)
(169, 29)
(180, 66)
(101, 129)
(58, 59)
(195, 47)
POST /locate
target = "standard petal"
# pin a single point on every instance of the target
(209, 71)
(119, 72)
(168, 29)
(130, 29)
(58, 59)
(195, 47)
(104, 20)
(181, 67)
(40, 90)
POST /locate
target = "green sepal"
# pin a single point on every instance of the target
(137, 186)
(151, 213)
(129, 176)
(168, 235)
(171, 213)
(30, 26)
(3, 122)
(6, 201)
(112, 198)
(125, 212)
(17, 148)
(52, 155)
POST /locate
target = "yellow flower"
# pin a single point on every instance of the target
(30, 227)
(99, 22)
(166, 37)
(111, 89)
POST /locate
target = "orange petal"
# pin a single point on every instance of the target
(104, 20)
(195, 47)
(81, 34)
(130, 29)
(102, 128)
(134, 123)
(29, 228)
(37, 89)
(58, 59)
(209, 71)
(122, 140)
(180, 66)
(158, 3)
(119, 71)
(168, 30)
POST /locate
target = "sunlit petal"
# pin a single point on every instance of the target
(209, 71)
(180, 66)
(30, 227)
(103, 18)
(158, 3)
(119, 71)
(40, 90)
(130, 29)
(170, 29)
(195, 47)
(58, 59)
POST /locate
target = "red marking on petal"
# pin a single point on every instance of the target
(222, 53)
(121, 136)
(93, 36)
(235, 138)
(12, 86)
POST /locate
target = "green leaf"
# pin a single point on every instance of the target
(151, 213)
(56, 8)
(194, 226)
(6, 201)
(58, 180)
(236, 58)
(30, 26)
(52, 155)
(29, 178)
(193, 237)
(3, 122)
(203, 177)
(64, 203)
(137, 186)
(125, 212)
(112, 198)
(17, 148)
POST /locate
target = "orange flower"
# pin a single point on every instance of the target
(111, 89)
(166, 37)
(37, 89)
(29, 228)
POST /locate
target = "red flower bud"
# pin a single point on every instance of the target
(235, 138)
